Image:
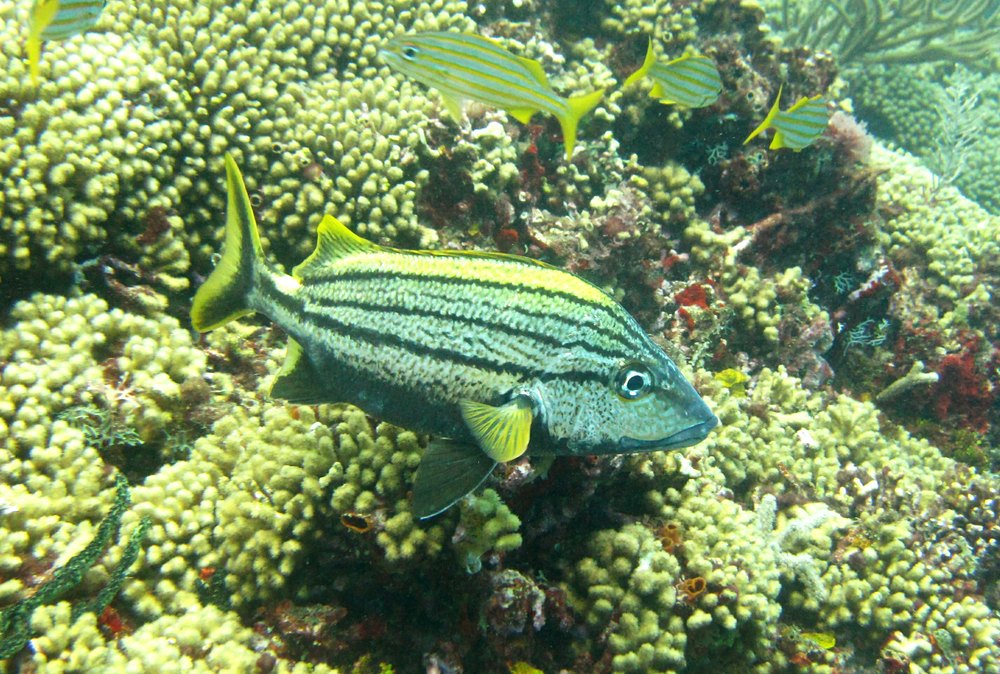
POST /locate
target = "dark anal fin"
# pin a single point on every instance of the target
(298, 381)
(448, 471)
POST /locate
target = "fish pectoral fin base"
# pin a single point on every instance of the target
(502, 432)
(298, 381)
(448, 471)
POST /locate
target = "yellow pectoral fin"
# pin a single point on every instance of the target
(522, 115)
(502, 432)
(453, 106)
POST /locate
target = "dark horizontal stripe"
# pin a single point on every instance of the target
(295, 307)
(550, 293)
(569, 324)
(483, 324)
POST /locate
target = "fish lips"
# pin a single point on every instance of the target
(685, 437)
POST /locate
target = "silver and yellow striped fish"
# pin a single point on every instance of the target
(691, 81)
(464, 66)
(798, 126)
(58, 20)
(492, 352)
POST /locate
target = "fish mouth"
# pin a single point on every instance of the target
(685, 437)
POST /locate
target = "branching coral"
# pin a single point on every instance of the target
(879, 31)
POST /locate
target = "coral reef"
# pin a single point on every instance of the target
(835, 305)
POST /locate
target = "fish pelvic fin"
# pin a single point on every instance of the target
(334, 241)
(42, 13)
(502, 432)
(223, 295)
(643, 70)
(448, 471)
(577, 107)
(768, 119)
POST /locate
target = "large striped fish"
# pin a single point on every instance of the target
(691, 81)
(464, 66)
(490, 351)
(798, 126)
(58, 20)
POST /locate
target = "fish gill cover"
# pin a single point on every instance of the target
(841, 518)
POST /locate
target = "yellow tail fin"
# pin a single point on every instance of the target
(222, 297)
(767, 120)
(577, 107)
(644, 68)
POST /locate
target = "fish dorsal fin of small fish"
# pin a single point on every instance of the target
(333, 241)
(536, 70)
(502, 432)
(448, 471)
(298, 381)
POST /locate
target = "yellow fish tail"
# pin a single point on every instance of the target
(767, 120)
(644, 68)
(577, 107)
(34, 57)
(223, 295)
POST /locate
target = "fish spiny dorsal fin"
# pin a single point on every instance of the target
(333, 241)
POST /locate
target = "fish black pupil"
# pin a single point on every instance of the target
(634, 383)
(410, 52)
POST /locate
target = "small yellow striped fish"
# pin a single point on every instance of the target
(465, 66)
(691, 81)
(58, 20)
(798, 126)
(493, 352)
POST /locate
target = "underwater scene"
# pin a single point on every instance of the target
(512, 337)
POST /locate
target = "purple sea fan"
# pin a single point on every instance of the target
(850, 136)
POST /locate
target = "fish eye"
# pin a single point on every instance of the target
(633, 381)
(409, 52)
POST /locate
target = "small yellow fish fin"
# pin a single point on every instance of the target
(524, 668)
(502, 432)
(298, 381)
(453, 106)
(522, 115)
(643, 70)
(577, 107)
(536, 70)
(801, 102)
(34, 58)
(658, 92)
(778, 141)
(824, 640)
(222, 297)
(448, 471)
(333, 241)
(768, 119)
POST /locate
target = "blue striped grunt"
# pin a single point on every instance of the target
(466, 66)
(58, 20)
(691, 81)
(798, 126)
(499, 355)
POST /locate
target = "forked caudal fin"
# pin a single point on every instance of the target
(223, 296)
(577, 107)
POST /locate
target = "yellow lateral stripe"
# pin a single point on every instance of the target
(513, 273)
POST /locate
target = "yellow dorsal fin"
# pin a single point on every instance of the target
(502, 432)
(767, 120)
(333, 241)
(644, 68)
(536, 70)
